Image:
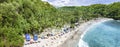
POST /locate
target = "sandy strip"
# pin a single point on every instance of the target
(69, 39)
(53, 41)
(73, 41)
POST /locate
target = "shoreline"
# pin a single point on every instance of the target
(82, 29)
(93, 24)
(70, 39)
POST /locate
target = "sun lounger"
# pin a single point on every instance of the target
(44, 37)
(50, 35)
(27, 43)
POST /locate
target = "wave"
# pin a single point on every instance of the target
(82, 43)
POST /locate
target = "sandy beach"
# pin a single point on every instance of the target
(69, 39)
(76, 38)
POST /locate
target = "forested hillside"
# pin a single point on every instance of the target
(18, 17)
(95, 10)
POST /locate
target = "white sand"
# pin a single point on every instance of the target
(61, 39)
(51, 43)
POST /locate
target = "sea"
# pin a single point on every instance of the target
(105, 34)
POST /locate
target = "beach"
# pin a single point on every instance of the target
(76, 39)
(69, 39)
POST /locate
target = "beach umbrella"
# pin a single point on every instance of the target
(35, 37)
(27, 36)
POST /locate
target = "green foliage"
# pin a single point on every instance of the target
(96, 10)
(18, 17)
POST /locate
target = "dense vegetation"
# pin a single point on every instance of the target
(18, 17)
(95, 10)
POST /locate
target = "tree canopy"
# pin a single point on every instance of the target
(18, 17)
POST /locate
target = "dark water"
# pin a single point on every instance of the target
(106, 34)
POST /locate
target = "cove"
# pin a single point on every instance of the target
(106, 34)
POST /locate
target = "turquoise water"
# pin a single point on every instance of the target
(106, 34)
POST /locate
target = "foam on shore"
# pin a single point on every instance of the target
(92, 24)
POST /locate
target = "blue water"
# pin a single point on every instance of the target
(106, 34)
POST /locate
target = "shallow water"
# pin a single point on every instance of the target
(106, 34)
